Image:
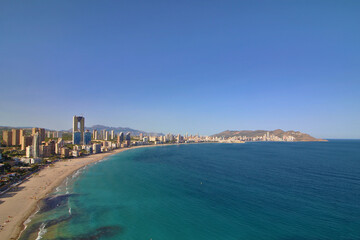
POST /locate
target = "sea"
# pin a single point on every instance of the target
(212, 191)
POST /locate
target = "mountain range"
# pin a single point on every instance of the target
(97, 127)
(299, 136)
(120, 129)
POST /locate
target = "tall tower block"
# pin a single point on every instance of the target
(76, 121)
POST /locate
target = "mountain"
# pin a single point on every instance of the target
(120, 129)
(299, 136)
(133, 132)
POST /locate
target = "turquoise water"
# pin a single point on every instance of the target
(282, 191)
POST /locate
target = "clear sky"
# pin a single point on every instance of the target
(182, 66)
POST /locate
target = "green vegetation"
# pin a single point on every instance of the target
(67, 136)
(7, 167)
(10, 152)
(70, 146)
(47, 139)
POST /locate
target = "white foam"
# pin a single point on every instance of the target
(42, 231)
(77, 173)
(28, 220)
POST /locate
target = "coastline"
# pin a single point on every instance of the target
(20, 202)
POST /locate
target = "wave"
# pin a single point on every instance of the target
(28, 220)
(77, 173)
(42, 231)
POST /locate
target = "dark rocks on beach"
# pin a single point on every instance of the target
(50, 203)
(34, 228)
(107, 231)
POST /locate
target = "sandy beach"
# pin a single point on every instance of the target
(19, 203)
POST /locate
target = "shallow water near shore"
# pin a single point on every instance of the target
(263, 190)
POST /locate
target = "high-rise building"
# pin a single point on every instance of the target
(96, 135)
(112, 135)
(87, 137)
(106, 136)
(103, 134)
(41, 132)
(60, 143)
(121, 137)
(128, 137)
(77, 137)
(81, 129)
(25, 141)
(22, 133)
(51, 145)
(140, 136)
(15, 137)
(45, 150)
(36, 145)
(7, 137)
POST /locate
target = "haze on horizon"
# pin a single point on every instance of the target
(182, 66)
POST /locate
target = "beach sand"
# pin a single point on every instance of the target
(19, 203)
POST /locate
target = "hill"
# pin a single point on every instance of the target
(298, 136)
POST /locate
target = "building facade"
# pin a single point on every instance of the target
(76, 121)
(7, 138)
(77, 137)
(36, 145)
(15, 137)
(87, 137)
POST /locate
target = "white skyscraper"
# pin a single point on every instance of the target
(36, 145)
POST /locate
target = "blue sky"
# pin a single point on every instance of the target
(182, 66)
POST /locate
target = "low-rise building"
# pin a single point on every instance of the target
(65, 152)
(29, 151)
(96, 148)
(31, 160)
(75, 153)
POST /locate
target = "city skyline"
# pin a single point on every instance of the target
(182, 66)
(109, 130)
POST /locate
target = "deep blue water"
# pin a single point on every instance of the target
(262, 190)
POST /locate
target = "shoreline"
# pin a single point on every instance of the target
(20, 202)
